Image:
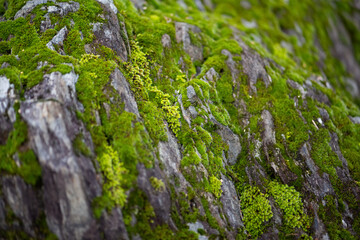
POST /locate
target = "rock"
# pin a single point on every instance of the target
(109, 4)
(254, 68)
(232, 140)
(324, 114)
(249, 24)
(139, 4)
(232, 65)
(199, 5)
(58, 39)
(297, 86)
(231, 203)
(170, 156)
(29, 6)
(4, 65)
(318, 227)
(182, 35)
(166, 41)
(63, 8)
(56, 86)
(159, 200)
(193, 112)
(113, 225)
(185, 113)
(355, 120)
(7, 115)
(211, 75)
(110, 34)
(69, 181)
(319, 186)
(22, 200)
(195, 227)
(191, 94)
(2, 215)
(268, 135)
(342, 48)
(118, 81)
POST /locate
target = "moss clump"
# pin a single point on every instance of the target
(215, 186)
(256, 210)
(289, 201)
(322, 153)
(157, 184)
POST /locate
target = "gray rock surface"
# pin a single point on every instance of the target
(58, 39)
(233, 141)
(56, 86)
(22, 200)
(109, 4)
(122, 87)
(183, 36)
(231, 203)
(319, 186)
(7, 114)
(29, 6)
(191, 94)
(68, 179)
(112, 33)
(166, 41)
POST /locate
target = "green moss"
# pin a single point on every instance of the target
(333, 220)
(289, 201)
(256, 210)
(29, 168)
(215, 186)
(322, 153)
(157, 184)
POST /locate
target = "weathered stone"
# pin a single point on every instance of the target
(111, 34)
(231, 203)
(254, 68)
(193, 112)
(58, 87)
(139, 4)
(319, 186)
(182, 35)
(166, 41)
(195, 227)
(159, 200)
(69, 180)
(355, 120)
(58, 39)
(170, 157)
(191, 94)
(118, 81)
(211, 75)
(268, 135)
(2, 215)
(29, 6)
(23, 201)
(233, 141)
(113, 225)
(109, 4)
(4, 65)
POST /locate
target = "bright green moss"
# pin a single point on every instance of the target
(289, 201)
(256, 210)
(215, 186)
(157, 184)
